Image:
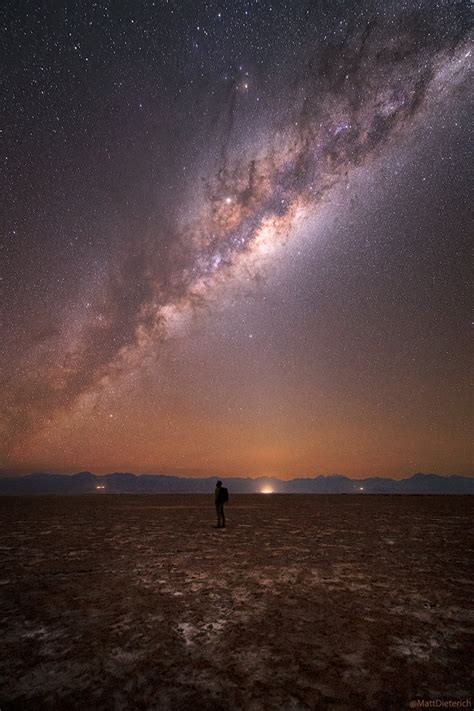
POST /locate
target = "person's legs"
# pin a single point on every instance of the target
(222, 516)
(218, 511)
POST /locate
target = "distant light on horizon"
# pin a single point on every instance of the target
(361, 488)
(100, 486)
(266, 491)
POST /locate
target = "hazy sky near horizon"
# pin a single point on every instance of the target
(235, 237)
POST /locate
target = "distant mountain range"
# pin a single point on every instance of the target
(123, 483)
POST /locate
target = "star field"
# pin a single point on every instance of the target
(235, 237)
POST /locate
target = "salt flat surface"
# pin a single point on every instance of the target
(318, 602)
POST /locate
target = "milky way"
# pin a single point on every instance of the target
(275, 139)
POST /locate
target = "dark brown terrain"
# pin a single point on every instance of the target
(316, 602)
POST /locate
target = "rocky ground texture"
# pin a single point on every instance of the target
(302, 602)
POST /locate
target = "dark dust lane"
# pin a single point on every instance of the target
(340, 602)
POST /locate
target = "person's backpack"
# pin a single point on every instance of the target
(223, 495)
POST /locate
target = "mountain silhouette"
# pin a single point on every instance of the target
(127, 483)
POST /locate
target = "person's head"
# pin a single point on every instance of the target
(219, 483)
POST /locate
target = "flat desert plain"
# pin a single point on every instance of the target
(303, 602)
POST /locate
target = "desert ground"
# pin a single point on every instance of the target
(302, 602)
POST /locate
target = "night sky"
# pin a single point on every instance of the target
(235, 237)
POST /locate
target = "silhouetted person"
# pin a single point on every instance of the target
(221, 497)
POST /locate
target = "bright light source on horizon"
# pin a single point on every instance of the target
(100, 486)
(361, 488)
(267, 491)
